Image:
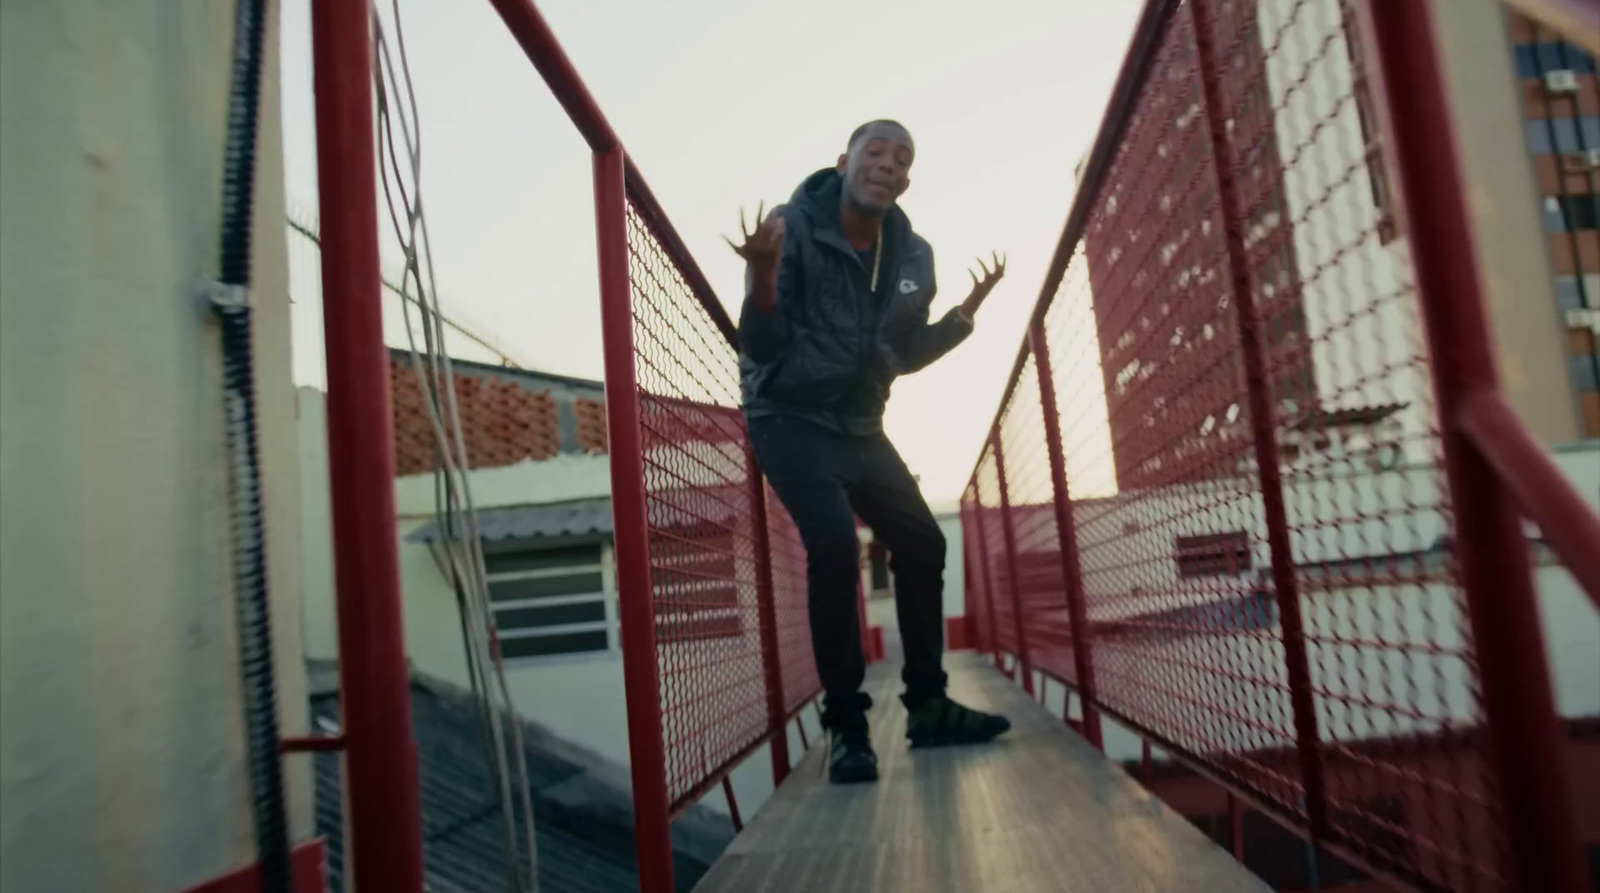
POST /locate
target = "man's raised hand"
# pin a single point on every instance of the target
(981, 286)
(763, 247)
(762, 250)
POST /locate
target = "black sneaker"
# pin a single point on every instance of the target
(943, 721)
(850, 757)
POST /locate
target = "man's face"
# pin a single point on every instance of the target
(877, 168)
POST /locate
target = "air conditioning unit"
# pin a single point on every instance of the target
(1384, 456)
(1581, 162)
(1584, 318)
(1562, 80)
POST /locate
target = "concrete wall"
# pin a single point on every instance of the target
(1503, 199)
(121, 730)
(319, 617)
(580, 698)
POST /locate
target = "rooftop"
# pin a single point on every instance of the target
(582, 804)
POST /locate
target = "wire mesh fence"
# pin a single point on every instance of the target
(1267, 556)
(1172, 557)
(1258, 561)
(1030, 492)
(1358, 445)
(702, 515)
(993, 560)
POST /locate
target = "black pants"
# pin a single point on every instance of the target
(826, 480)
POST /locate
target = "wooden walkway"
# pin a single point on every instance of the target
(1039, 811)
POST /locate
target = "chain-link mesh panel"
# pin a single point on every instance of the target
(1158, 356)
(700, 515)
(974, 565)
(995, 565)
(1158, 447)
(1358, 444)
(1041, 585)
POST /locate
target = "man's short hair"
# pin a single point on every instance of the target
(888, 122)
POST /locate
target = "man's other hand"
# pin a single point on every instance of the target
(763, 247)
(761, 250)
(982, 285)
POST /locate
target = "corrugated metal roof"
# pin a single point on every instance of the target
(690, 508)
(580, 517)
(583, 807)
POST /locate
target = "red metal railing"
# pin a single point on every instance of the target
(385, 842)
(711, 573)
(1252, 491)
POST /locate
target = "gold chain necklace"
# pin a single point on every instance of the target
(877, 257)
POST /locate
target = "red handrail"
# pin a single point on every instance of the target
(1119, 110)
(533, 34)
(1545, 495)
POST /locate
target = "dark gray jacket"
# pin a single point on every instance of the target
(832, 347)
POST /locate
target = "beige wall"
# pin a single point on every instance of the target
(318, 612)
(1513, 254)
(121, 747)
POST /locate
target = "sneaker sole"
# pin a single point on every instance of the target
(921, 742)
(860, 776)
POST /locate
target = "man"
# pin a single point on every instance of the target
(838, 289)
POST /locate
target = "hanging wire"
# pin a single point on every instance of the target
(455, 512)
(304, 225)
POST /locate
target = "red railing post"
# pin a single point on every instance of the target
(988, 577)
(1067, 535)
(646, 744)
(733, 804)
(1236, 827)
(969, 619)
(861, 615)
(1542, 492)
(1525, 737)
(767, 617)
(385, 845)
(1008, 531)
(1262, 419)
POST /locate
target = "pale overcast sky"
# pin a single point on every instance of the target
(722, 103)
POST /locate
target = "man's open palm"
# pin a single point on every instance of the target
(981, 286)
(763, 247)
